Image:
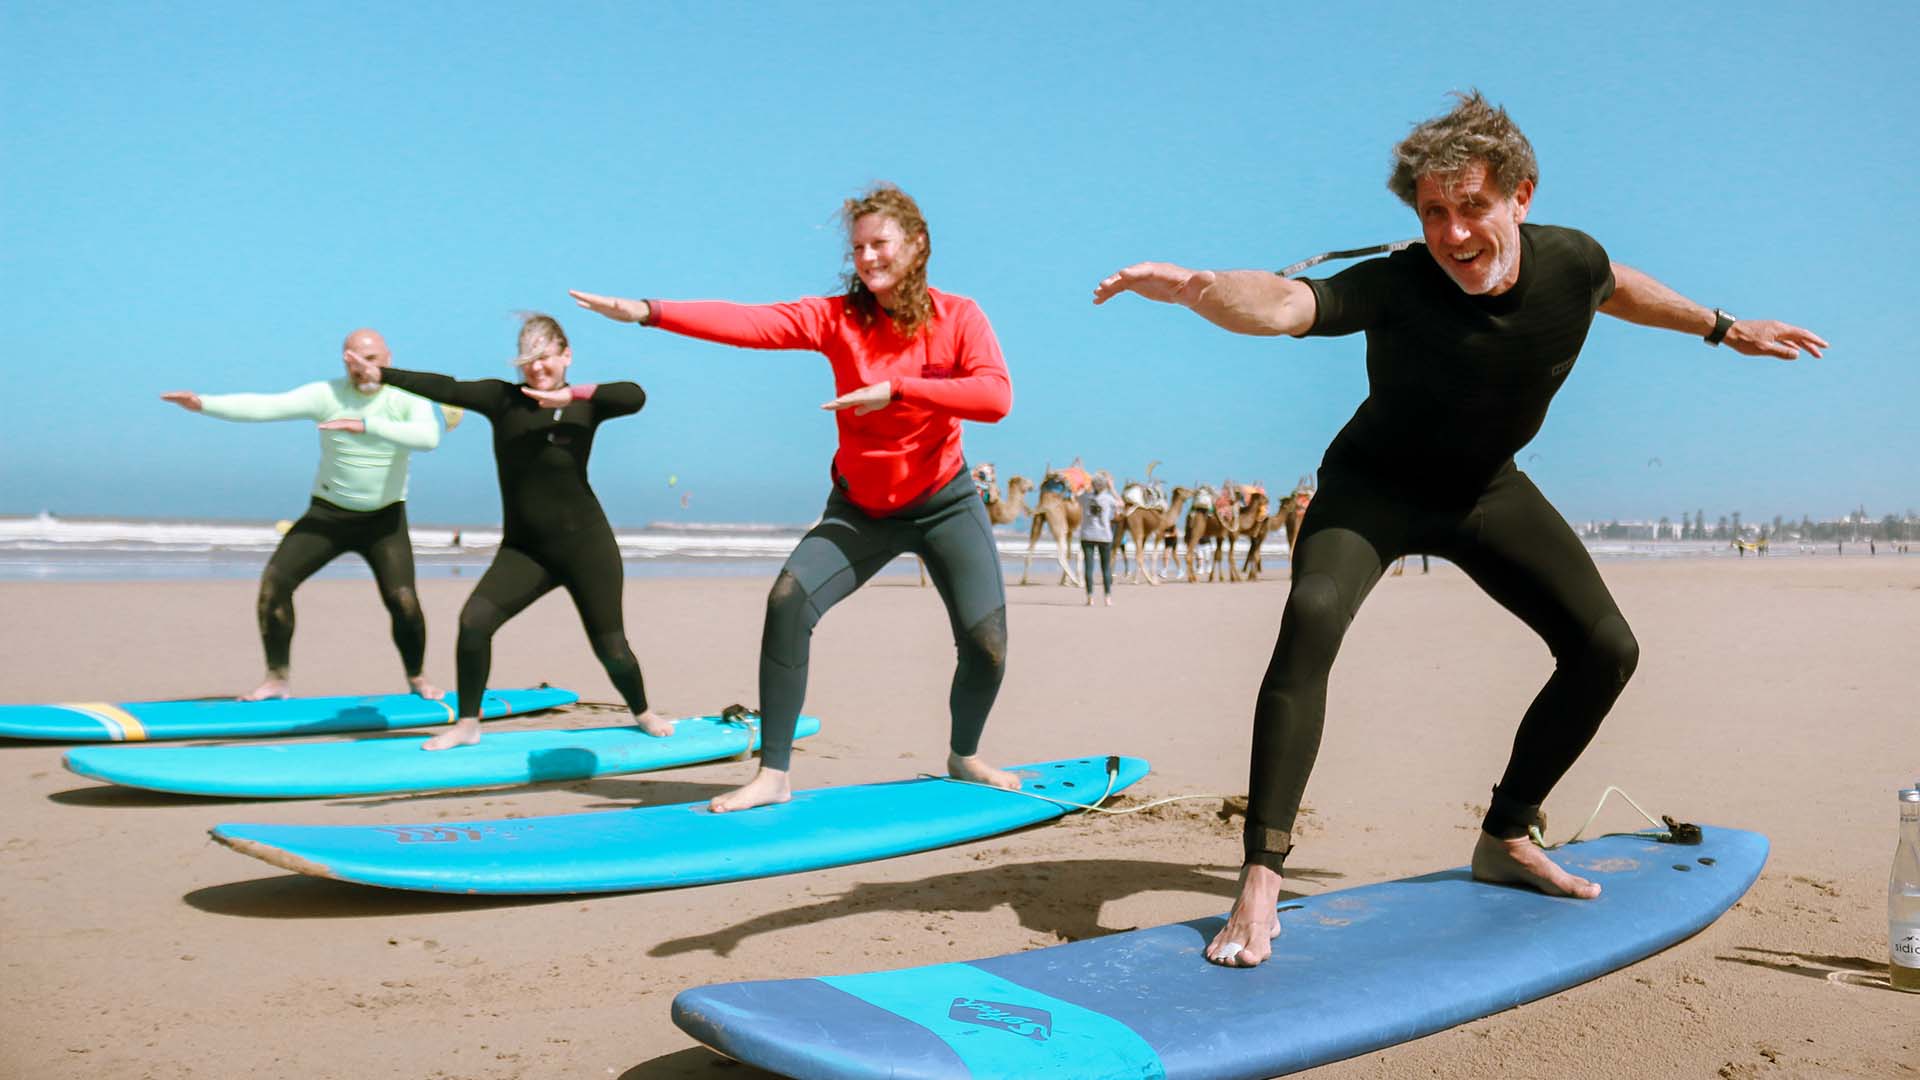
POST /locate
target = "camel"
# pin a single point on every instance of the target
(1143, 524)
(1059, 512)
(1289, 512)
(1250, 517)
(1002, 511)
(1220, 521)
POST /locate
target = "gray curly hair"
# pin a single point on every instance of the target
(1474, 129)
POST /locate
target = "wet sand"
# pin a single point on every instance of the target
(1774, 695)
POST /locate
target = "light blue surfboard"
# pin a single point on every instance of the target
(99, 721)
(1353, 971)
(377, 766)
(656, 847)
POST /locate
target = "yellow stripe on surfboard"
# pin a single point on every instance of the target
(122, 725)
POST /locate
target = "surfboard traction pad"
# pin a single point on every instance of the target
(1146, 1003)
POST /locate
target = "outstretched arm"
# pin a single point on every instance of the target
(1244, 301)
(484, 396)
(795, 325)
(1638, 298)
(309, 402)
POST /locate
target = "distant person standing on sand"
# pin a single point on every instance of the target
(1468, 338)
(358, 503)
(1098, 505)
(909, 364)
(554, 534)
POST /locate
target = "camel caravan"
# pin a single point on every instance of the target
(1154, 526)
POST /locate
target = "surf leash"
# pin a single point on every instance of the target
(1094, 807)
(1350, 253)
(1678, 832)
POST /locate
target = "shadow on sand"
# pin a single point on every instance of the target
(1052, 897)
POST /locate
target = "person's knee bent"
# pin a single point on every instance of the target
(790, 620)
(1611, 647)
(983, 648)
(275, 603)
(478, 621)
(403, 604)
(1315, 621)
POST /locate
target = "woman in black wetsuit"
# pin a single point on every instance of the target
(555, 534)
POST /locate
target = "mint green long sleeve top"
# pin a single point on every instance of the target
(357, 471)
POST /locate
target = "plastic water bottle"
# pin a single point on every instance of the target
(1903, 898)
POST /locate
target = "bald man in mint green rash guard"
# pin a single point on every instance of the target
(367, 432)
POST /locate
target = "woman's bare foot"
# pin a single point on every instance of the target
(1109, 599)
(1522, 862)
(1247, 939)
(274, 688)
(978, 771)
(767, 787)
(420, 686)
(653, 724)
(1089, 599)
(465, 732)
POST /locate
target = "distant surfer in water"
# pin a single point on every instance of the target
(358, 504)
(909, 364)
(1468, 338)
(554, 533)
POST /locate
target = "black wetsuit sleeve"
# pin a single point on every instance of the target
(484, 396)
(1352, 301)
(611, 399)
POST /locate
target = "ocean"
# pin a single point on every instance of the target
(48, 548)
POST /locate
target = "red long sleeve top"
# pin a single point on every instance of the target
(950, 371)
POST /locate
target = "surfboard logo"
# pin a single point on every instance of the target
(423, 834)
(1035, 1024)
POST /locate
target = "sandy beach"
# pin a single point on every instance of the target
(1772, 695)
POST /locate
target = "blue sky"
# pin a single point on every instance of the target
(209, 196)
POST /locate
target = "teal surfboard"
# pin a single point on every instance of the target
(99, 721)
(654, 847)
(1353, 971)
(378, 766)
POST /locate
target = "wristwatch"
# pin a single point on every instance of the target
(1722, 322)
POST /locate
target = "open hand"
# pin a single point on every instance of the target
(611, 306)
(358, 427)
(1160, 281)
(864, 400)
(1769, 337)
(186, 399)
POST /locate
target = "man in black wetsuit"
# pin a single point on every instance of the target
(1468, 338)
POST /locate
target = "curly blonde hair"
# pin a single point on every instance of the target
(912, 306)
(1474, 129)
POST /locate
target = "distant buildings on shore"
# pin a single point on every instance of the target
(1858, 527)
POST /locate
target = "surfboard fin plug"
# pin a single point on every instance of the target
(1680, 832)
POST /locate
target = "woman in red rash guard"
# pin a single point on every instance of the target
(909, 363)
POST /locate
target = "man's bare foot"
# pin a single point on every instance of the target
(1089, 599)
(274, 688)
(767, 787)
(1522, 862)
(1109, 599)
(465, 732)
(653, 724)
(978, 771)
(1247, 939)
(421, 687)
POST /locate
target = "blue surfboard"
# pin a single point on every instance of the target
(99, 721)
(380, 766)
(656, 847)
(1353, 971)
